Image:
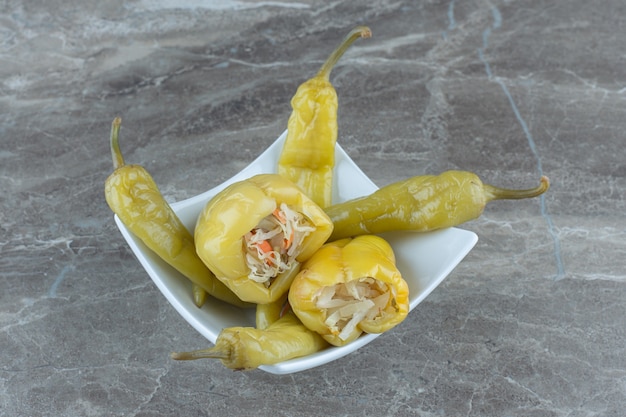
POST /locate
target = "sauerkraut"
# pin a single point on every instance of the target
(347, 304)
(272, 246)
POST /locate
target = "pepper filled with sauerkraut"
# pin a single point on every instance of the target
(349, 287)
(255, 234)
(273, 245)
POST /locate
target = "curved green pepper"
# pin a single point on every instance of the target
(308, 155)
(132, 194)
(421, 204)
(245, 348)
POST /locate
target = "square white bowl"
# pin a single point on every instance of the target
(424, 259)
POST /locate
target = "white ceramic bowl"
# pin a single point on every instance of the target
(424, 259)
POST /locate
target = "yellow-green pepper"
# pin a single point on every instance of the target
(269, 313)
(132, 194)
(246, 348)
(230, 222)
(308, 155)
(421, 203)
(348, 287)
(199, 295)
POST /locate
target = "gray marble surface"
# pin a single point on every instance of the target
(531, 323)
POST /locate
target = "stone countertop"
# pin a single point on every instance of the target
(531, 323)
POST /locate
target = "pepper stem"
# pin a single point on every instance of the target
(118, 159)
(496, 193)
(211, 353)
(357, 32)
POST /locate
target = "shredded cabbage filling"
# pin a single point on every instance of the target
(272, 246)
(347, 304)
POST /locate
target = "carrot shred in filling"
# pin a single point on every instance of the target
(273, 245)
(347, 304)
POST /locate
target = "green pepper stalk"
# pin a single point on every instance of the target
(245, 348)
(132, 194)
(421, 203)
(308, 155)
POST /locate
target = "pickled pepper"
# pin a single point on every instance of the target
(308, 155)
(134, 197)
(245, 348)
(421, 203)
(269, 313)
(348, 287)
(254, 234)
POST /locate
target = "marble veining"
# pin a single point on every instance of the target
(497, 23)
(531, 323)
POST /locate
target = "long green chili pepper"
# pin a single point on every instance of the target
(308, 155)
(245, 348)
(132, 194)
(421, 204)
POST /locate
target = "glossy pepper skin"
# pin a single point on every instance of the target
(267, 314)
(132, 194)
(308, 155)
(246, 348)
(238, 209)
(421, 204)
(340, 262)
